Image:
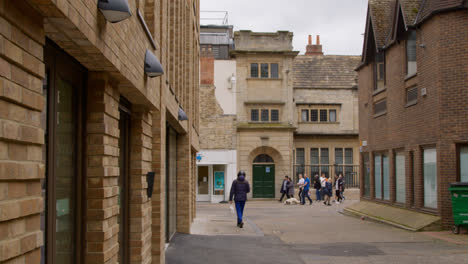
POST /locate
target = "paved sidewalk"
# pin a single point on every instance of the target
(275, 233)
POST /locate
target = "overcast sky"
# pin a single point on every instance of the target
(340, 23)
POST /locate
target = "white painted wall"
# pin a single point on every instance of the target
(226, 157)
(225, 92)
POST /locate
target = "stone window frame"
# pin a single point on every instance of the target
(259, 70)
(259, 115)
(317, 108)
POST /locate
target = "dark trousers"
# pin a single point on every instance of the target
(338, 195)
(300, 194)
(305, 194)
(318, 194)
(282, 196)
(240, 211)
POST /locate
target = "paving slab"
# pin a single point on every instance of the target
(305, 234)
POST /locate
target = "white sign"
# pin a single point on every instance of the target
(267, 169)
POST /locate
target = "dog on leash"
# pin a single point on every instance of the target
(292, 201)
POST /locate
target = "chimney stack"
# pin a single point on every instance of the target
(312, 50)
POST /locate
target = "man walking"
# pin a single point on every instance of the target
(284, 189)
(305, 192)
(317, 187)
(239, 190)
(301, 185)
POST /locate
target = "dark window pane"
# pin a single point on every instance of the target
(265, 115)
(264, 69)
(314, 115)
(323, 115)
(339, 156)
(254, 115)
(324, 158)
(314, 156)
(412, 95)
(305, 115)
(254, 70)
(332, 115)
(349, 156)
(300, 156)
(274, 115)
(263, 158)
(274, 70)
(380, 107)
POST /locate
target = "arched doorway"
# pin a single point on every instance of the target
(263, 177)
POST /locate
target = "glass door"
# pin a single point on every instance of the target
(203, 186)
(64, 161)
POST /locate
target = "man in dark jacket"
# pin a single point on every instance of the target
(239, 190)
(317, 187)
(284, 189)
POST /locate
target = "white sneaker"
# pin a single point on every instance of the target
(337, 202)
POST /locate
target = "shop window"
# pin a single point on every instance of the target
(219, 172)
(339, 156)
(274, 115)
(254, 115)
(274, 70)
(382, 177)
(304, 115)
(378, 176)
(314, 115)
(300, 156)
(400, 176)
(430, 177)
(254, 70)
(332, 115)
(411, 65)
(324, 161)
(366, 174)
(323, 115)
(264, 70)
(463, 164)
(314, 156)
(349, 156)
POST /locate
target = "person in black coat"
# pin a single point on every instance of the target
(317, 187)
(284, 189)
(239, 190)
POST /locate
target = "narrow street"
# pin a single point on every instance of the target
(276, 233)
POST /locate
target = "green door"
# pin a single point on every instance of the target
(263, 181)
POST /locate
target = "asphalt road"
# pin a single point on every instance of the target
(275, 233)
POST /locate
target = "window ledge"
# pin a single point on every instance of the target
(411, 103)
(376, 92)
(313, 122)
(380, 114)
(264, 122)
(408, 77)
(265, 79)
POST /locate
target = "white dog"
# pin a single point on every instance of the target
(292, 201)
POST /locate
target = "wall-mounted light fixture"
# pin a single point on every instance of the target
(153, 67)
(182, 115)
(150, 181)
(114, 10)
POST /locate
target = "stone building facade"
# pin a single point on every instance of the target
(265, 122)
(412, 104)
(326, 114)
(82, 127)
(295, 114)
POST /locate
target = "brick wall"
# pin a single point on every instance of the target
(21, 133)
(438, 119)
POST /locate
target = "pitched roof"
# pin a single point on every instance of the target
(410, 10)
(330, 71)
(381, 16)
(430, 7)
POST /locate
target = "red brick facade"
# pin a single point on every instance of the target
(438, 119)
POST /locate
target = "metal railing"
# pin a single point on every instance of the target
(350, 173)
